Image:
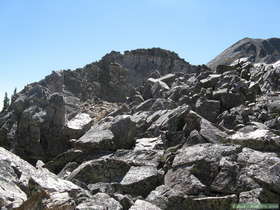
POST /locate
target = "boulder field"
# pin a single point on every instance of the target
(144, 130)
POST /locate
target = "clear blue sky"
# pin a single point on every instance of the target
(38, 36)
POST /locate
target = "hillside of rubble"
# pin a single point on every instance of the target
(145, 129)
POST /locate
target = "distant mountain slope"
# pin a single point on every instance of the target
(259, 51)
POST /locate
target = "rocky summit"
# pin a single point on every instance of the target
(257, 50)
(145, 129)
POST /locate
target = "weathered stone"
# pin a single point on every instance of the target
(139, 157)
(58, 163)
(167, 198)
(220, 69)
(146, 105)
(96, 140)
(209, 109)
(209, 203)
(210, 81)
(67, 170)
(118, 133)
(262, 167)
(258, 195)
(158, 88)
(100, 201)
(77, 126)
(206, 129)
(103, 187)
(141, 180)
(260, 139)
(140, 204)
(25, 187)
(100, 170)
(148, 144)
(168, 79)
(195, 138)
(125, 200)
(228, 99)
(162, 104)
(195, 167)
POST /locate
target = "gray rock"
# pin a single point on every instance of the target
(103, 187)
(210, 81)
(211, 132)
(209, 109)
(125, 200)
(274, 107)
(58, 163)
(141, 180)
(195, 167)
(67, 170)
(161, 104)
(139, 157)
(195, 138)
(158, 88)
(100, 170)
(259, 139)
(77, 126)
(258, 195)
(148, 144)
(100, 201)
(220, 69)
(207, 130)
(115, 134)
(26, 187)
(273, 124)
(168, 79)
(228, 100)
(146, 105)
(209, 203)
(262, 167)
(167, 198)
(95, 140)
(11, 194)
(140, 204)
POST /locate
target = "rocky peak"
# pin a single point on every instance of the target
(257, 50)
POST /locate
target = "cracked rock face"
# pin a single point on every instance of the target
(146, 130)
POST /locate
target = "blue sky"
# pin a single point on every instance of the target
(37, 37)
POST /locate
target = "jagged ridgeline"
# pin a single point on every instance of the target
(144, 129)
